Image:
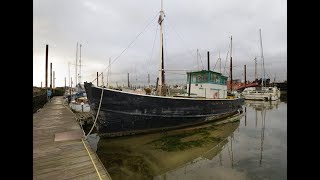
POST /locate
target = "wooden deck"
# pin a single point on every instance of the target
(59, 152)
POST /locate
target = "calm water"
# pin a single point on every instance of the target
(251, 146)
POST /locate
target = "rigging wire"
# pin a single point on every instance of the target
(189, 51)
(225, 65)
(215, 64)
(154, 41)
(127, 46)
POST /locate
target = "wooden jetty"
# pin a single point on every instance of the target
(59, 150)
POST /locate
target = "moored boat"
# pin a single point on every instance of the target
(261, 93)
(80, 104)
(124, 113)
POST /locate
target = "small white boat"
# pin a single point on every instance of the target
(80, 105)
(261, 93)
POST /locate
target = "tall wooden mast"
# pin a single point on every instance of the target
(162, 83)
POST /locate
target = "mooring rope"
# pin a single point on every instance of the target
(96, 115)
(91, 159)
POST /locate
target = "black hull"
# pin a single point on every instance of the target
(124, 113)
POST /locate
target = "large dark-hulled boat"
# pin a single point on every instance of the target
(125, 113)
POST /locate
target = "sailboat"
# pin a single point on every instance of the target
(79, 101)
(125, 113)
(263, 93)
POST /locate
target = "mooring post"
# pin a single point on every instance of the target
(245, 76)
(97, 79)
(46, 68)
(189, 85)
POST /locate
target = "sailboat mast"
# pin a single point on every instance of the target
(80, 66)
(162, 89)
(231, 66)
(255, 68)
(263, 83)
(69, 76)
(76, 65)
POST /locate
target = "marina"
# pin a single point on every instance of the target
(191, 93)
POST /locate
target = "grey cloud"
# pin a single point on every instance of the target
(105, 28)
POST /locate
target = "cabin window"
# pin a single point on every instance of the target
(194, 78)
(200, 78)
(205, 78)
(214, 78)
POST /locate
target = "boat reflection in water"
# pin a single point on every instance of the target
(151, 156)
(262, 107)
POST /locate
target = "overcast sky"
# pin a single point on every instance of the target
(105, 28)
